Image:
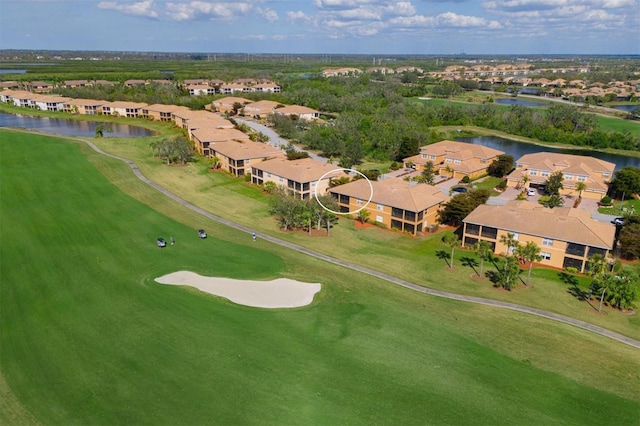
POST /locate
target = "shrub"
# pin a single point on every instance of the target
(380, 224)
(606, 201)
(502, 185)
(465, 179)
(247, 177)
(571, 270)
(394, 166)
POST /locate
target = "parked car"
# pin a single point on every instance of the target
(161, 242)
(618, 221)
(531, 192)
(202, 233)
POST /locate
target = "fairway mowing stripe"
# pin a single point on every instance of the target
(472, 299)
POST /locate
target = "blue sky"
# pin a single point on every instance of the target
(325, 26)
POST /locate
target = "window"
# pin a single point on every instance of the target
(568, 176)
(456, 162)
(379, 219)
(380, 207)
(280, 179)
(582, 178)
(575, 249)
(545, 256)
(518, 165)
(359, 201)
(489, 232)
(533, 173)
(545, 173)
(605, 175)
(547, 242)
(448, 160)
(424, 156)
(268, 175)
(432, 157)
(472, 229)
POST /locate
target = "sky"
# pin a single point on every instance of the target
(421, 27)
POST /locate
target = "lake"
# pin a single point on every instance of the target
(627, 108)
(518, 149)
(63, 126)
(514, 101)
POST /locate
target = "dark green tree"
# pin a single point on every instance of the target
(428, 173)
(459, 207)
(554, 183)
(626, 182)
(501, 166)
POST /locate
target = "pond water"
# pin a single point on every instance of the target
(63, 126)
(518, 149)
(627, 108)
(8, 71)
(513, 101)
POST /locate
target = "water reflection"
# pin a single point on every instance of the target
(518, 149)
(512, 101)
(63, 126)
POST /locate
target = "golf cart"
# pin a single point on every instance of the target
(202, 233)
(161, 242)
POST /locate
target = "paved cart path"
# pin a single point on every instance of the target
(472, 299)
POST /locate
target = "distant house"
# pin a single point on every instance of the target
(83, 106)
(161, 112)
(19, 98)
(455, 159)
(593, 172)
(126, 109)
(267, 87)
(238, 157)
(76, 83)
(566, 236)
(201, 90)
(228, 103)
(204, 138)
(11, 85)
(48, 103)
(231, 88)
(260, 109)
(39, 87)
(302, 112)
(405, 206)
(300, 177)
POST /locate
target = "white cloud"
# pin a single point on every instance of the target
(210, 10)
(268, 14)
(142, 8)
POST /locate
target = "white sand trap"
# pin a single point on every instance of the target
(279, 293)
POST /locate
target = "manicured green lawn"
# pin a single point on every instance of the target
(89, 338)
(620, 208)
(413, 259)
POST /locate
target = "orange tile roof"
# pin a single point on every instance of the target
(561, 223)
(394, 193)
(301, 170)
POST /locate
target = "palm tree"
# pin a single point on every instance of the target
(363, 216)
(449, 170)
(483, 250)
(510, 241)
(452, 241)
(580, 186)
(530, 252)
(525, 180)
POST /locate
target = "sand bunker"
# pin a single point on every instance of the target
(279, 293)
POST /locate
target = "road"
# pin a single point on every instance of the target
(274, 138)
(406, 284)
